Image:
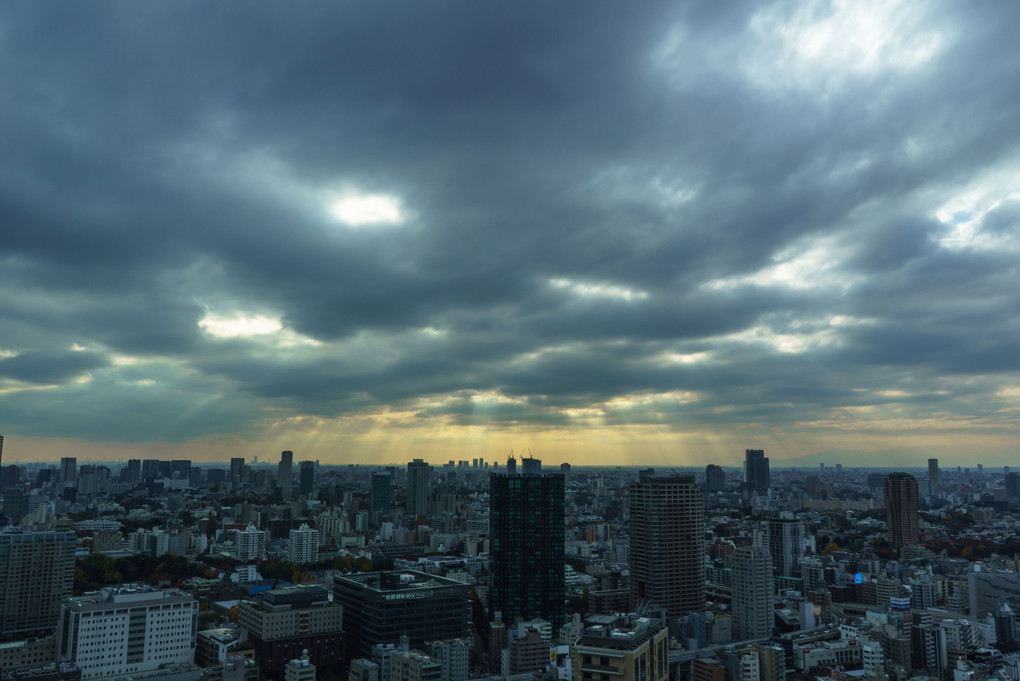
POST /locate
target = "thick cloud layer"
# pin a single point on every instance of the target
(796, 217)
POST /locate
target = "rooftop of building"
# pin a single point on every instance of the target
(399, 580)
(619, 632)
(124, 593)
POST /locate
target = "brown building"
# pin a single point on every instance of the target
(707, 670)
(667, 543)
(901, 509)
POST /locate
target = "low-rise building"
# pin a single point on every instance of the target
(627, 649)
(283, 623)
(380, 607)
(127, 630)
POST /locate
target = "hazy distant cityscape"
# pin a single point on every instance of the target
(515, 570)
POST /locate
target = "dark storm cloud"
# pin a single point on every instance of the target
(48, 367)
(599, 201)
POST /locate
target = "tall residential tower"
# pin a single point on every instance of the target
(526, 567)
(667, 543)
(901, 509)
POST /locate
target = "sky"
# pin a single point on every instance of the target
(602, 232)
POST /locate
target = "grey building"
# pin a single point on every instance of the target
(36, 575)
(380, 607)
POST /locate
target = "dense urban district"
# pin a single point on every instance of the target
(290, 570)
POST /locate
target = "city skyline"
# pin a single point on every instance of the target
(657, 235)
(826, 461)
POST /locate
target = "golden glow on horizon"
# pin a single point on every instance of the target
(390, 441)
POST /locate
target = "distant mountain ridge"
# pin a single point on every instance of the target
(900, 457)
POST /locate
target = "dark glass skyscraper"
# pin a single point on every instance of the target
(285, 475)
(526, 557)
(934, 477)
(237, 470)
(901, 509)
(418, 487)
(306, 478)
(715, 478)
(756, 471)
(380, 491)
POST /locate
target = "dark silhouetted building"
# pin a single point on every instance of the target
(36, 575)
(68, 470)
(900, 492)
(667, 543)
(380, 607)
(15, 504)
(785, 544)
(285, 475)
(306, 478)
(283, 622)
(526, 559)
(380, 491)
(934, 477)
(237, 470)
(715, 478)
(1012, 484)
(180, 469)
(132, 472)
(756, 471)
(417, 487)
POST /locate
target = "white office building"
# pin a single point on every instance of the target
(127, 629)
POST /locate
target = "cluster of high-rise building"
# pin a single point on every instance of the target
(473, 569)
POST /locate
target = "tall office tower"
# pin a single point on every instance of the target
(526, 528)
(306, 478)
(180, 469)
(934, 477)
(150, 469)
(132, 472)
(1, 452)
(124, 630)
(36, 575)
(417, 487)
(715, 478)
(756, 471)
(667, 543)
(753, 589)
(304, 545)
(68, 470)
(900, 491)
(237, 470)
(15, 503)
(786, 543)
(285, 475)
(1012, 485)
(380, 491)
